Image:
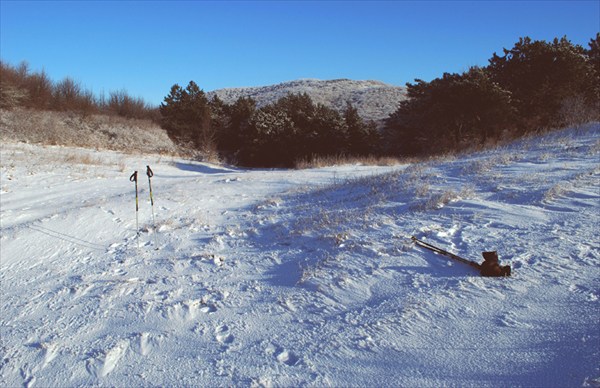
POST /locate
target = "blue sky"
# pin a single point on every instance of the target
(145, 47)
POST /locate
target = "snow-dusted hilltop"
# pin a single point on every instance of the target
(374, 100)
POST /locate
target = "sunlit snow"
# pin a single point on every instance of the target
(301, 277)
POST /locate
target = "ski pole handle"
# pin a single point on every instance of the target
(150, 175)
(133, 178)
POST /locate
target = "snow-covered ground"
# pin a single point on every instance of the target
(301, 278)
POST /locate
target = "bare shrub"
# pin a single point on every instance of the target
(122, 104)
(92, 131)
(11, 97)
(21, 88)
(574, 111)
(39, 88)
(66, 94)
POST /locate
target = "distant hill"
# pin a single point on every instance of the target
(374, 100)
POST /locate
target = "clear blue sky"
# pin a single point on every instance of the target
(145, 47)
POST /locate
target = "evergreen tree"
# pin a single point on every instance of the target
(219, 116)
(299, 107)
(449, 113)
(541, 76)
(363, 137)
(329, 133)
(187, 118)
(593, 94)
(237, 131)
(270, 140)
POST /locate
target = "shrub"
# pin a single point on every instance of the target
(19, 87)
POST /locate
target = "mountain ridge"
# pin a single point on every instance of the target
(374, 100)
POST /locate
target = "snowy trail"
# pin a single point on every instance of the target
(293, 278)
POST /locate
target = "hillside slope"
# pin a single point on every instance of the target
(374, 100)
(301, 278)
(87, 131)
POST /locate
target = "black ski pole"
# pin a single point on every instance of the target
(445, 253)
(150, 174)
(133, 178)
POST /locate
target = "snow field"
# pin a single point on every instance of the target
(294, 278)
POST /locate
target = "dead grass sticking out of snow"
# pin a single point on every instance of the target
(437, 200)
(562, 187)
(340, 160)
(485, 165)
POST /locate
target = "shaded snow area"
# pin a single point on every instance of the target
(301, 278)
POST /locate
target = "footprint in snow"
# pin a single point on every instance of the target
(28, 378)
(108, 211)
(208, 309)
(119, 271)
(287, 358)
(144, 343)
(105, 362)
(183, 311)
(282, 355)
(590, 295)
(222, 334)
(47, 352)
(510, 320)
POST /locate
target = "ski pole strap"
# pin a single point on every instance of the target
(133, 177)
(149, 172)
(445, 253)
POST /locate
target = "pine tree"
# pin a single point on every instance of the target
(541, 76)
(186, 116)
(450, 113)
(363, 137)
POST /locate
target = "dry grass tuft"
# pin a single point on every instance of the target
(486, 165)
(84, 159)
(438, 200)
(339, 160)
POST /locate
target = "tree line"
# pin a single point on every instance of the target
(20, 87)
(535, 85)
(275, 135)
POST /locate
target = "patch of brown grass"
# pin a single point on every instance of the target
(92, 131)
(318, 161)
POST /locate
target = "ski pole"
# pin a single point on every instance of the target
(133, 178)
(445, 253)
(150, 175)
